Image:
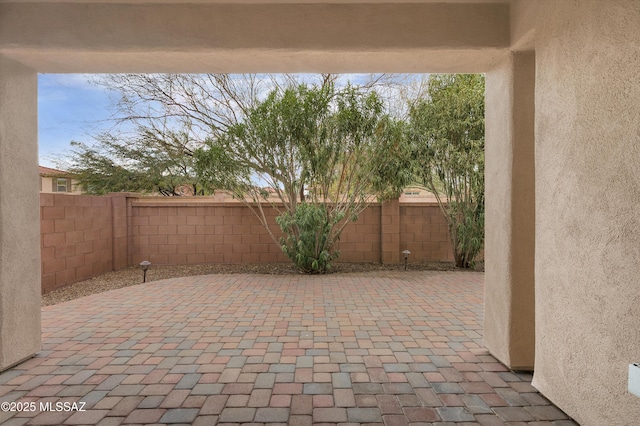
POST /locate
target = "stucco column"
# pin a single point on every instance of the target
(588, 208)
(510, 211)
(19, 214)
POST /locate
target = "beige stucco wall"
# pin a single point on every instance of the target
(19, 214)
(588, 207)
(523, 18)
(510, 211)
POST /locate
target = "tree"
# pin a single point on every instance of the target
(159, 120)
(446, 130)
(200, 104)
(147, 162)
(325, 155)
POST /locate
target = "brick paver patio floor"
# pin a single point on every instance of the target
(390, 348)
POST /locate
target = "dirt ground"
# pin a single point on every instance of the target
(133, 275)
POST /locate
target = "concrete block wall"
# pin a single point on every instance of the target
(390, 232)
(424, 232)
(191, 233)
(360, 240)
(85, 236)
(76, 238)
(184, 233)
(121, 212)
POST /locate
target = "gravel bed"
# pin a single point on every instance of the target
(133, 275)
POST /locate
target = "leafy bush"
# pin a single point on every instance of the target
(446, 130)
(309, 240)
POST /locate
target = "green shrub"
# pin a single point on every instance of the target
(309, 238)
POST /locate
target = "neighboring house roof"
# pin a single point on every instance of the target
(417, 194)
(46, 171)
(54, 180)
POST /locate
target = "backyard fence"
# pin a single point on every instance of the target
(85, 236)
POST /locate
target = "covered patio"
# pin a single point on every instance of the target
(562, 244)
(390, 348)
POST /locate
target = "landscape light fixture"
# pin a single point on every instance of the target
(144, 265)
(406, 254)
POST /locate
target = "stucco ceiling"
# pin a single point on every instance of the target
(256, 1)
(255, 35)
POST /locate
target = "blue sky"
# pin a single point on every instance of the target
(69, 108)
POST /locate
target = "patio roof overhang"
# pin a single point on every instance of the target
(136, 36)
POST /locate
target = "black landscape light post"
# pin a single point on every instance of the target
(406, 254)
(144, 265)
